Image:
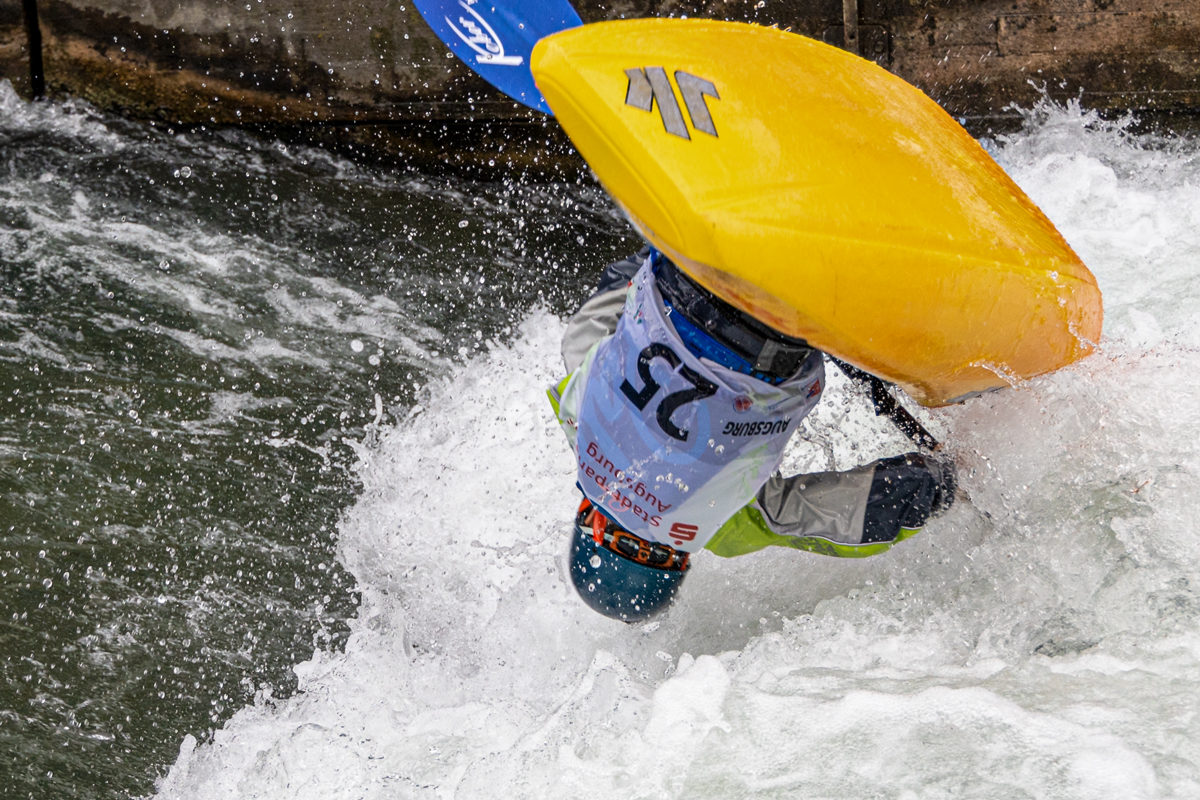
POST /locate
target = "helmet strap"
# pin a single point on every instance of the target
(606, 538)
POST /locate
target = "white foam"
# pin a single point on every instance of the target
(71, 118)
(81, 237)
(1038, 641)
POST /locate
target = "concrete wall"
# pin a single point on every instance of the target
(370, 74)
(14, 54)
(264, 60)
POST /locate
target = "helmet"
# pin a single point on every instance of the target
(621, 575)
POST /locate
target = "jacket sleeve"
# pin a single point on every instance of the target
(598, 317)
(861, 512)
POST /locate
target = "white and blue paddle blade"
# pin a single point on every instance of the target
(495, 38)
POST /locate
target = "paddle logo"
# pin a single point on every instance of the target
(650, 86)
(493, 37)
(481, 37)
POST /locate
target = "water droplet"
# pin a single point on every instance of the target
(185, 172)
(462, 223)
(595, 562)
(356, 345)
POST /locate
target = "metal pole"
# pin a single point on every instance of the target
(33, 34)
(850, 19)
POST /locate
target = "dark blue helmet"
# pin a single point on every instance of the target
(621, 575)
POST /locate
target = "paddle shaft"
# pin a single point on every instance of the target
(886, 405)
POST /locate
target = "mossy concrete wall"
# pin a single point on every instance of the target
(369, 74)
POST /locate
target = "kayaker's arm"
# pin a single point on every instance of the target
(598, 317)
(852, 514)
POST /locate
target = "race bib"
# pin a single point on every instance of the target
(671, 446)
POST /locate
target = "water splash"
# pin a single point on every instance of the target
(178, 381)
(1040, 640)
(1001, 371)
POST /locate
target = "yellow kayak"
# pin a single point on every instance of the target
(826, 197)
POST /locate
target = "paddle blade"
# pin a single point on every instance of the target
(495, 38)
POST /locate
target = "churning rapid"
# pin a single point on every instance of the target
(192, 327)
(193, 363)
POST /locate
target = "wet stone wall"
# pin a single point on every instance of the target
(370, 76)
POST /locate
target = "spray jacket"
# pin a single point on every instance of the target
(681, 450)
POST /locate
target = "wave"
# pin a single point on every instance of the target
(1040, 639)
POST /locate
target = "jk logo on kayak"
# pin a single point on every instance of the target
(649, 86)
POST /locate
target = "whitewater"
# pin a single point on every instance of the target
(1041, 640)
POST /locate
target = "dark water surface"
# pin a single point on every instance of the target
(191, 328)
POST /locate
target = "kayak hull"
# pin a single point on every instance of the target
(825, 196)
